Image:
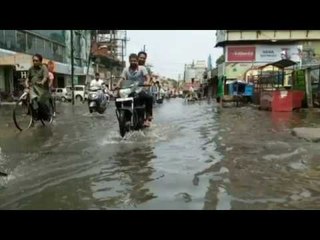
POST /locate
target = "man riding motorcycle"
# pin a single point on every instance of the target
(97, 82)
(192, 94)
(139, 74)
(160, 91)
(142, 57)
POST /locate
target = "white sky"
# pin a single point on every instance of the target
(169, 50)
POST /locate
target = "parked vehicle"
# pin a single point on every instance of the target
(60, 94)
(80, 93)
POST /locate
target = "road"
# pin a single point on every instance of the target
(195, 156)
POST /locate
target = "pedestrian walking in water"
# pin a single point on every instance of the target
(220, 90)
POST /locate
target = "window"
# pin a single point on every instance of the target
(10, 39)
(40, 46)
(60, 50)
(57, 52)
(77, 62)
(21, 41)
(77, 47)
(55, 35)
(2, 42)
(31, 44)
(48, 49)
(79, 89)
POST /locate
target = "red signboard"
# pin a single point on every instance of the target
(241, 54)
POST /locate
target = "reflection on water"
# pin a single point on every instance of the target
(195, 156)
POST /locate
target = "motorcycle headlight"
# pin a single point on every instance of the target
(124, 93)
(93, 96)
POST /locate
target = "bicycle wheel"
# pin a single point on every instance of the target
(22, 115)
(50, 120)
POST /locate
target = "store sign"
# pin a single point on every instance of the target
(237, 70)
(273, 53)
(241, 53)
(23, 74)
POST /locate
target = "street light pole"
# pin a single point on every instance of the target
(72, 68)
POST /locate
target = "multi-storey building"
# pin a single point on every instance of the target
(18, 46)
(246, 50)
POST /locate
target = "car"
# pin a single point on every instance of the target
(60, 94)
(80, 93)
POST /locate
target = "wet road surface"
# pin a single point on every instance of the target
(195, 156)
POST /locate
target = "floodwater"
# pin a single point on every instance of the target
(195, 156)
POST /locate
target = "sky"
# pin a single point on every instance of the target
(169, 50)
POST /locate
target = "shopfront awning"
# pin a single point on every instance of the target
(284, 63)
(23, 62)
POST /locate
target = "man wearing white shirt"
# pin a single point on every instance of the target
(97, 82)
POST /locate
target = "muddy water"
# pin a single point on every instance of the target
(195, 156)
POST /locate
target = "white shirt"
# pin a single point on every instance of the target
(95, 83)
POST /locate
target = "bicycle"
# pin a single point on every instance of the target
(29, 113)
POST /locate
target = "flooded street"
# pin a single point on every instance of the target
(195, 156)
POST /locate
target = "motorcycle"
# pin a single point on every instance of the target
(131, 114)
(97, 100)
(160, 96)
(191, 95)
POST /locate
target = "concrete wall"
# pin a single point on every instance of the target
(256, 35)
(2, 79)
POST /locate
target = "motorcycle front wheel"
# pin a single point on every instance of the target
(122, 122)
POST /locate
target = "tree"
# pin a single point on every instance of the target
(173, 82)
(220, 60)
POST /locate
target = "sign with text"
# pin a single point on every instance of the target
(273, 53)
(241, 53)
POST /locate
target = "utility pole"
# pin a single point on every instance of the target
(144, 48)
(122, 51)
(72, 68)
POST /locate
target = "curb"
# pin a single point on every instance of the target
(7, 103)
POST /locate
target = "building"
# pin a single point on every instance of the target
(195, 70)
(18, 46)
(108, 51)
(246, 50)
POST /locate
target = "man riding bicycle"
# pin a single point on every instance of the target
(139, 74)
(39, 92)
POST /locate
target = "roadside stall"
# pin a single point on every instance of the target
(275, 87)
(240, 91)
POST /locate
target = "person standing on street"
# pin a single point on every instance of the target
(220, 90)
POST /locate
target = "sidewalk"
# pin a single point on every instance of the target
(7, 103)
(309, 134)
